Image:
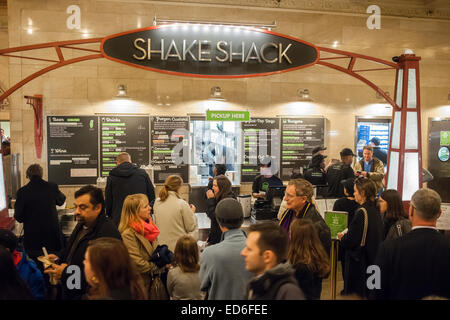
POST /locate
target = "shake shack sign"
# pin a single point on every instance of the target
(225, 52)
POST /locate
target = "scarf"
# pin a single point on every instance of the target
(289, 217)
(148, 229)
(17, 256)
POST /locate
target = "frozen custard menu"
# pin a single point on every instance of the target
(170, 147)
(298, 137)
(123, 134)
(72, 149)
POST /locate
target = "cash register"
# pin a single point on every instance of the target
(267, 208)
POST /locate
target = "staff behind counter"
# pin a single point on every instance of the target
(265, 180)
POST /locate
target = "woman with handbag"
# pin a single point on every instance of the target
(139, 234)
(363, 238)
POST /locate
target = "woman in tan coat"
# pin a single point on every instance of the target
(139, 234)
(173, 216)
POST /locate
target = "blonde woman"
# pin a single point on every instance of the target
(173, 216)
(139, 234)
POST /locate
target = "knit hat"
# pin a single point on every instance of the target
(8, 239)
(229, 213)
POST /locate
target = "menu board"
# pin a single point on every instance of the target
(170, 147)
(298, 137)
(72, 149)
(260, 138)
(123, 134)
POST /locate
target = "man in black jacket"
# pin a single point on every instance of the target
(123, 180)
(338, 172)
(265, 254)
(36, 208)
(417, 264)
(298, 197)
(92, 224)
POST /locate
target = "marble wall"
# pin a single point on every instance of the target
(88, 87)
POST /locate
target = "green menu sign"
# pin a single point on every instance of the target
(227, 115)
(445, 138)
(337, 221)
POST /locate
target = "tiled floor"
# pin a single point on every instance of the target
(326, 286)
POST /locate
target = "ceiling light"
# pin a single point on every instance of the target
(121, 91)
(304, 95)
(216, 94)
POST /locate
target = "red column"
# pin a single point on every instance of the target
(405, 153)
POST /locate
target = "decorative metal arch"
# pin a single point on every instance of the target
(402, 109)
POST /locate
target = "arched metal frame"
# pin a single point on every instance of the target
(324, 61)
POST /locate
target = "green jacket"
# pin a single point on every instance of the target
(376, 173)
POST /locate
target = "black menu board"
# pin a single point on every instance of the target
(72, 149)
(298, 137)
(260, 138)
(170, 147)
(123, 134)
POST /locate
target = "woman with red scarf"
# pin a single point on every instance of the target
(139, 234)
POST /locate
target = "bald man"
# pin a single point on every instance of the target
(123, 180)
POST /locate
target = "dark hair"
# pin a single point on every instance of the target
(220, 169)
(6, 143)
(349, 186)
(186, 254)
(224, 185)
(114, 269)
(305, 248)
(271, 237)
(34, 170)
(394, 209)
(11, 284)
(96, 195)
(367, 188)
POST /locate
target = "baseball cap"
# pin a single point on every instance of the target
(375, 140)
(317, 149)
(317, 159)
(347, 152)
(8, 239)
(229, 213)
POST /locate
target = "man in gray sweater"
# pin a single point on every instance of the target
(222, 268)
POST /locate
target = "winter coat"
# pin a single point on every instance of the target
(123, 180)
(277, 283)
(31, 274)
(222, 268)
(376, 173)
(309, 211)
(215, 233)
(140, 250)
(36, 208)
(102, 227)
(174, 218)
(183, 285)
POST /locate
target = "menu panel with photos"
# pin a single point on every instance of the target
(298, 137)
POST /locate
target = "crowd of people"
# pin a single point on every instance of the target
(131, 246)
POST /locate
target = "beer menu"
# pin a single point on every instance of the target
(170, 147)
(298, 137)
(259, 139)
(123, 134)
(72, 152)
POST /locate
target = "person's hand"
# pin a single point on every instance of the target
(210, 194)
(364, 174)
(340, 235)
(193, 208)
(56, 270)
